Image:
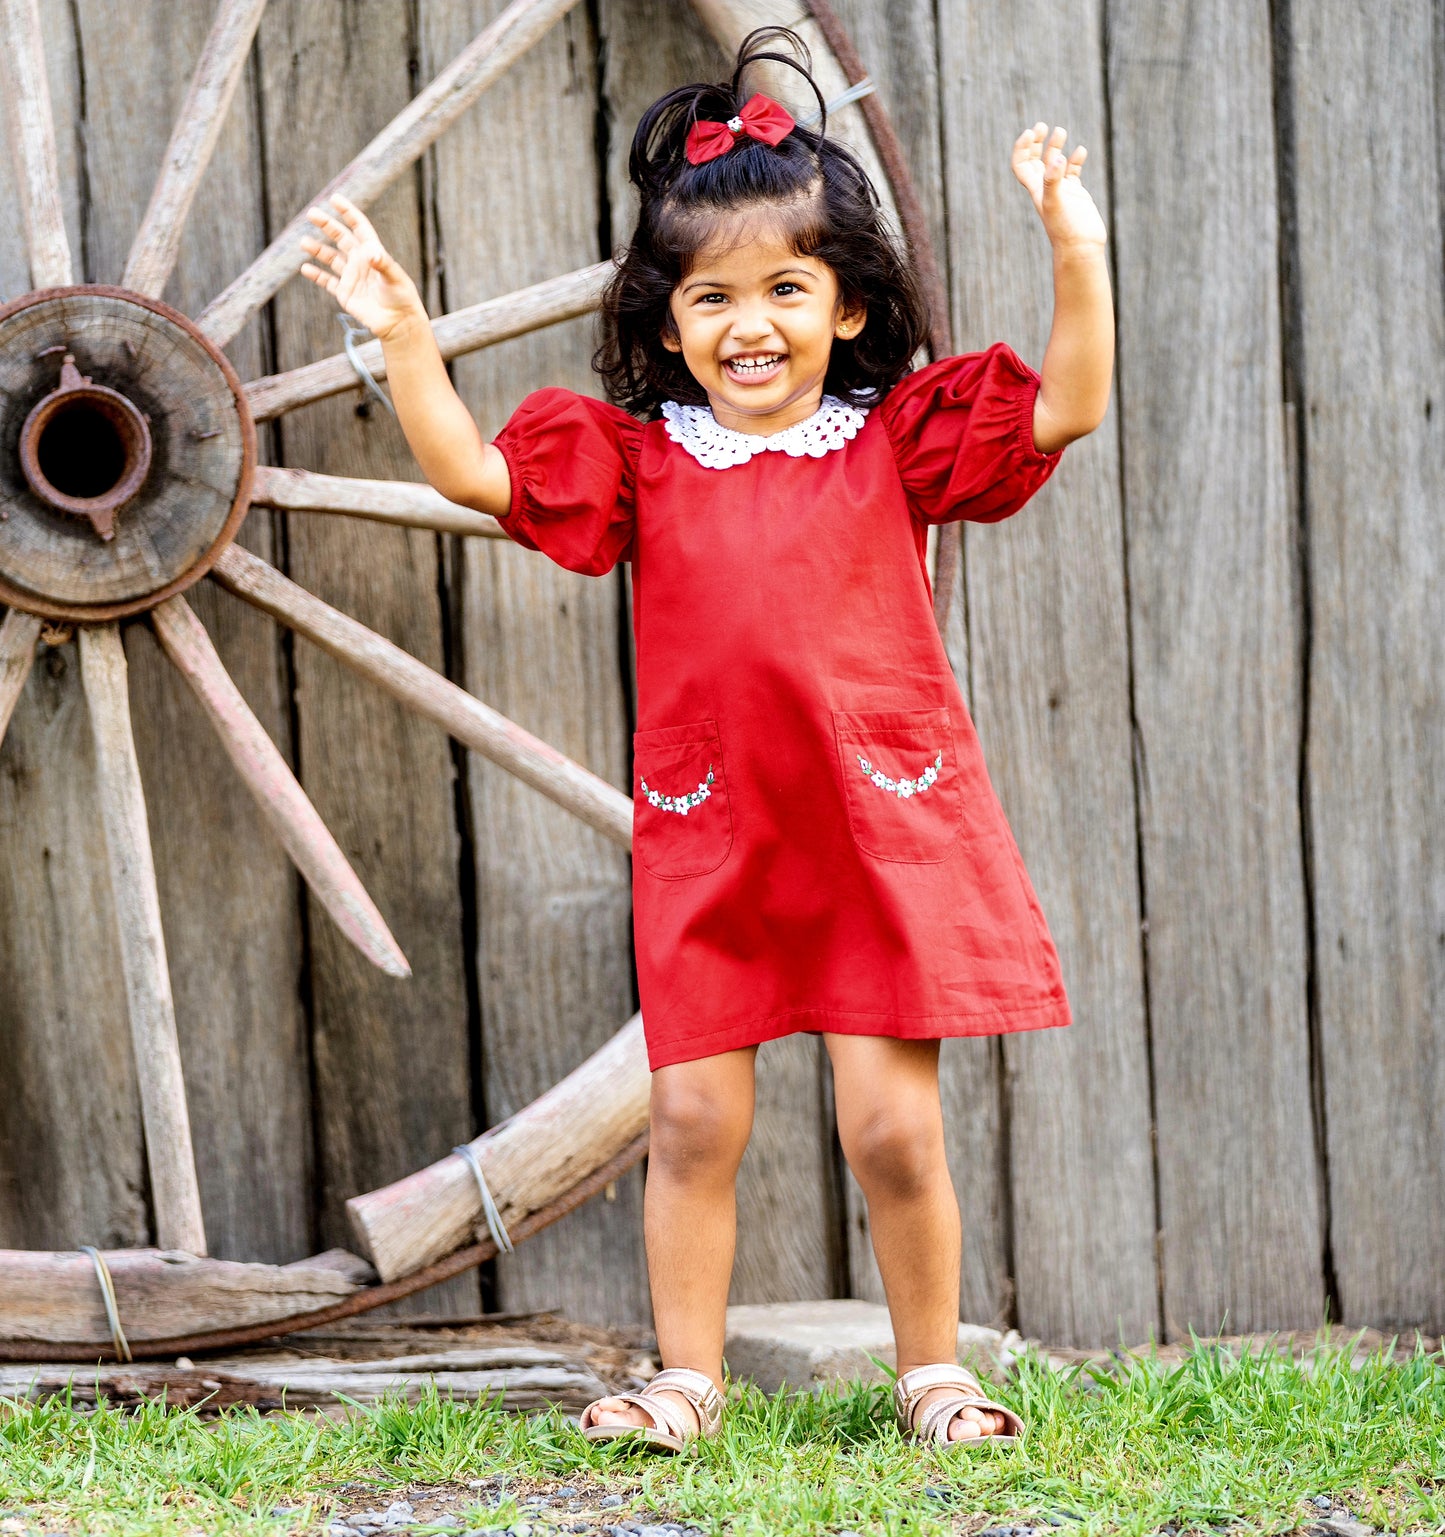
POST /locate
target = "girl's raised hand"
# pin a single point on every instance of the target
(358, 271)
(1063, 202)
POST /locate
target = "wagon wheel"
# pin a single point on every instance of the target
(127, 464)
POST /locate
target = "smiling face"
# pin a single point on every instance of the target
(756, 324)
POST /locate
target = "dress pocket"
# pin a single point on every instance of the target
(900, 782)
(682, 822)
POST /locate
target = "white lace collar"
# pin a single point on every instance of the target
(716, 447)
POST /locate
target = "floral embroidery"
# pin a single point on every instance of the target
(717, 447)
(902, 788)
(681, 804)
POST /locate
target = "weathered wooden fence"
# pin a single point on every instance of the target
(1206, 664)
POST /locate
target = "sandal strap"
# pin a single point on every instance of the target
(698, 1389)
(664, 1416)
(912, 1387)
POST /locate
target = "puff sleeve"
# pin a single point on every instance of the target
(962, 436)
(573, 463)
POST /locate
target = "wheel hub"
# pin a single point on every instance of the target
(122, 481)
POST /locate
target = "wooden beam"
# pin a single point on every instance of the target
(32, 138)
(523, 1379)
(411, 131)
(466, 330)
(409, 504)
(19, 632)
(169, 1154)
(268, 777)
(198, 126)
(595, 801)
(161, 1295)
(528, 1160)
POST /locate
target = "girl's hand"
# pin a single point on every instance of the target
(1069, 213)
(362, 275)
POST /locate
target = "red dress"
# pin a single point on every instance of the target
(816, 843)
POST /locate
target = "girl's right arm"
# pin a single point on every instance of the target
(369, 284)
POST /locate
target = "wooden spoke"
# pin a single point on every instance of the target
(597, 1108)
(198, 126)
(420, 123)
(419, 688)
(142, 944)
(464, 330)
(268, 777)
(405, 502)
(18, 635)
(32, 136)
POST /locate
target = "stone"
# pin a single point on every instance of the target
(1343, 1526)
(566, 1493)
(814, 1344)
(611, 1501)
(398, 1513)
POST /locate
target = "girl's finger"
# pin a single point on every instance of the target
(353, 216)
(320, 278)
(331, 228)
(1058, 138)
(1076, 160)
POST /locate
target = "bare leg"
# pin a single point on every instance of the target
(701, 1117)
(890, 1123)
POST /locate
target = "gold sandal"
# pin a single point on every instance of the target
(932, 1426)
(669, 1431)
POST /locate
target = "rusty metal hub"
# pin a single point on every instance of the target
(122, 482)
(85, 449)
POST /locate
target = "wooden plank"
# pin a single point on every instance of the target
(175, 1194)
(234, 914)
(1372, 335)
(268, 777)
(1051, 700)
(31, 122)
(553, 902)
(788, 1221)
(71, 1168)
(396, 145)
(1216, 634)
(330, 78)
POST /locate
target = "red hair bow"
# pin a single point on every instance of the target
(762, 118)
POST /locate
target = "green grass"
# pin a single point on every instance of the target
(1223, 1440)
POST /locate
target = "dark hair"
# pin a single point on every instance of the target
(821, 195)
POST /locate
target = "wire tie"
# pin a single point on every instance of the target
(864, 87)
(490, 1210)
(112, 1308)
(353, 329)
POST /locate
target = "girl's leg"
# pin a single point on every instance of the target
(701, 1117)
(890, 1123)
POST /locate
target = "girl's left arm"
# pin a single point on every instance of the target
(1079, 360)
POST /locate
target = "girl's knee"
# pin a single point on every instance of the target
(892, 1153)
(696, 1128)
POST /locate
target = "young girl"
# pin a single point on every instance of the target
(816, 843)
